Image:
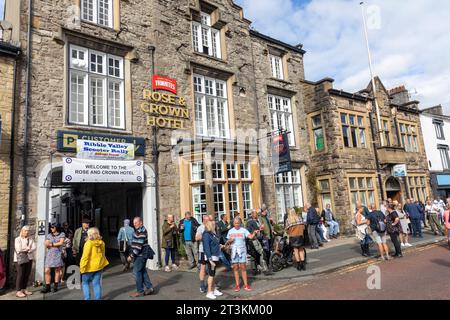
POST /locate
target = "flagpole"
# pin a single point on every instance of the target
(374, 88)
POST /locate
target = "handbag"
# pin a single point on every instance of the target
(147, 252)
(123, 245)
(22, 257)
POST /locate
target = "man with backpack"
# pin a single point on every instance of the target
(377, 222)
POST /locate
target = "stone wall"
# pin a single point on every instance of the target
(6, 107)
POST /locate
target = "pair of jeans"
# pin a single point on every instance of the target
(416, 227)
(313, 235)
(334, 228)
(396, 242)
(96, 279)
(141, 275)
(170, 252)
(191, 251)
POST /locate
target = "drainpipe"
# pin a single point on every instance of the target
(155, 160)
(26, 110)
(11, 173)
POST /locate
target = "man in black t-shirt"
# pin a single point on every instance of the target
(375, 220)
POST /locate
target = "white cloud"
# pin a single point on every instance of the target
(411, 46)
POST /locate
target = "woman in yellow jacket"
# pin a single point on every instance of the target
(92, 264)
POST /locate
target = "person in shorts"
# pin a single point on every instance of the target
(379, 237)
(201, 255)
(237, 237)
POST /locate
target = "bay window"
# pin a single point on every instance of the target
(96, 94)
(211, 107)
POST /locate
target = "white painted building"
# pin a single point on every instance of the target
(436, 135)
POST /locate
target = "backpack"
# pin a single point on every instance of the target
(380, 225)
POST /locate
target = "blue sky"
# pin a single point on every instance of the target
(407, 39)
(2, 8)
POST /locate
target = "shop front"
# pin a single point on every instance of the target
(90, 183)
(441, 185)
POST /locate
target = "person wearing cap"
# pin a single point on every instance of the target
(53, 258)
(125, 238)
(79, 239)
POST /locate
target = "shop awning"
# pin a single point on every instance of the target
(443, 180)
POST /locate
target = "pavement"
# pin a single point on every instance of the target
(184, 284)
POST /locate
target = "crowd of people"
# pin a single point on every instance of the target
(215, 241)
(399, 222)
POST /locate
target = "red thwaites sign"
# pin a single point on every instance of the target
(164, 83)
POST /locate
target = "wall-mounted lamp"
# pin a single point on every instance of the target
(242, 92)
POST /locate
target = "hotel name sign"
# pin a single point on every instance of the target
(164, 110)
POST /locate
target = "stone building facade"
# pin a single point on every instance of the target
(9, 54)
(345, 147)
(205, 146)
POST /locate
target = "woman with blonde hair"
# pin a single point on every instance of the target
(296, 229)
(92, 264)
(211, 249)
(24, 248)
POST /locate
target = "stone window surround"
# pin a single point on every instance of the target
(330, 191)
(416, 134)
(365, 126)
(115, 15)
(106, 77)
(282, 184)
(366, 189)
(421, 177)
(439, 127)
(390, 133)
(444, 155)
(229, 79)
(71, 37)
(273, 51)
(311, 128)
(275, 91)
(216, 23)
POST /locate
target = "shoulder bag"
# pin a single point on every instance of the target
(22, 257)
(123, 245)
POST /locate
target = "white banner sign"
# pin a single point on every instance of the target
(84, 170)
(87, 149)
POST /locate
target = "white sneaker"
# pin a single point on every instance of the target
(174, 267)
(408, 245)
(402, 244)
(211, 295)
(217, 293)
(167, 269)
